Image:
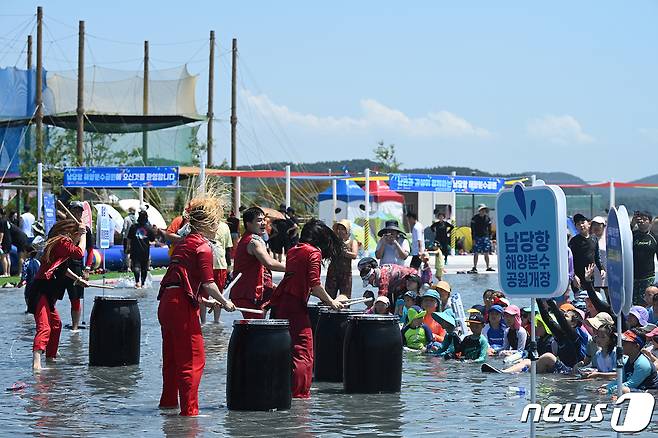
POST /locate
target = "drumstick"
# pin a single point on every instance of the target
(66, 210)
(227, 289)
(101, 286)
(356, 301)
(243, 309)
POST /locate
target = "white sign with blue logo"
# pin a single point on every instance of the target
(49, 212)
(531, 228)
(104, 227)
(615, 261)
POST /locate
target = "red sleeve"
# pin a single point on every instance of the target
(71, 250)
(204, 258)
(175, 224)
(314, 267)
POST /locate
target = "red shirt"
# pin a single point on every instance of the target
(190, 266)
(62, 252)
(250, 285)
(303, 264)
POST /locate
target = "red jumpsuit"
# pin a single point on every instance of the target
(290, 300)
(248, 291)
(183, 357)
(45, 291)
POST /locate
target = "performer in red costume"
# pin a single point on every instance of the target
(188, 281)
(66, 241)
(289, 300)
(252, 260)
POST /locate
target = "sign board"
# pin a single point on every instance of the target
(615, 272)
(86, 217)
(627, 242)
(445, 183)
(118, 177)
(49, 211)
(104, 227)
(532, 241)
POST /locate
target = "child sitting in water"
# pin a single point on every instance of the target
(637, 317)
(495, 330)
(474, 347)
(543, 336)
(430, 304)
(444, 290)
(605, 359)
(451, 340)
(515, 335)
(409, 300)
(639, 372)
(651, 351)
(416, 335)
(369, 294)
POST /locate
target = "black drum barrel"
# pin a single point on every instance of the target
(372, 354)
(328, 344)
(114, 332)
(259, 366)
(314, 315)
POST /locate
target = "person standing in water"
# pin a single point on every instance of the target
(140, 236)
(188, 282)
(67, 242)
(251, 260)
(302, 278)
(77, 292)
(339, 273)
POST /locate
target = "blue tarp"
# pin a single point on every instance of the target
(17, 101)
(346, 190)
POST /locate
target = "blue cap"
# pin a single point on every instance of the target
(433, 294)
(496, 308)
(444, 317)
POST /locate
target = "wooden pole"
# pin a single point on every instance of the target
(28, 129)
(234, 117)
(29, 52)
(211, 90)
(80, 112)
(145, 103)
(39, 96)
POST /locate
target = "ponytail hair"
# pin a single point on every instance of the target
(63, 229)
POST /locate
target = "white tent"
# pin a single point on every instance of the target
(155, 218)
(350, 199)
(115, 216)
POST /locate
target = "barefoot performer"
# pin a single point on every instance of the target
(251, 260)
(67, 242)
(289, 300)
(187, 283)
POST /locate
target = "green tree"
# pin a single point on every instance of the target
(385, 157)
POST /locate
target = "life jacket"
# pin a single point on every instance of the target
(416, 338)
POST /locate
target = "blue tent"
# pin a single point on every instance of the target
(346, 190)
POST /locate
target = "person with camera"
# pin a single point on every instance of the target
(393, 247)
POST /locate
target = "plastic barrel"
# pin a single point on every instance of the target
(259, 366)
(328, 344)
(115, 332)
(314, 315)
(372, 354)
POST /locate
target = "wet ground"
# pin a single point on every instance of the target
(71, 399)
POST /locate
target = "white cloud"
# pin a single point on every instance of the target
(374, 115)
(563, 129)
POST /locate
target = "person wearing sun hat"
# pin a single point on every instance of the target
(451, 340)
(494, 330)
(393, 247)
(444, 290)
(474, 347)
(515, 334)
(638, 317)
(639, 372)
(430, 302)
(416, 335)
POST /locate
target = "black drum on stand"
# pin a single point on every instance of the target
(114, 332)
(328, 345)
(259, 366)
(372, 354)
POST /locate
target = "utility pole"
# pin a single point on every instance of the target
(39, 84)
(80, 112)
(234, 117)
(145, 103)
(211, 90)
(29, 52)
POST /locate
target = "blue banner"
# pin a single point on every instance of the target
(120, 177)
(480, 185)
(49, 212)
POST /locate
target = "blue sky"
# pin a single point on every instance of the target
(502, 86)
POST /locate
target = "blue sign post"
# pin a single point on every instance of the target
(532, 241)
(121, 177)
(445, 183)
(49, 211)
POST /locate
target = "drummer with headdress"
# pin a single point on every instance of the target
(67, 241)
(188, 282)
(317, 242)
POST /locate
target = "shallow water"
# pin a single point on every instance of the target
(71, 399)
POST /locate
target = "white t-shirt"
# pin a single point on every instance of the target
(416, 236)
(28, 221)
(390, 256)
(221, 243)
